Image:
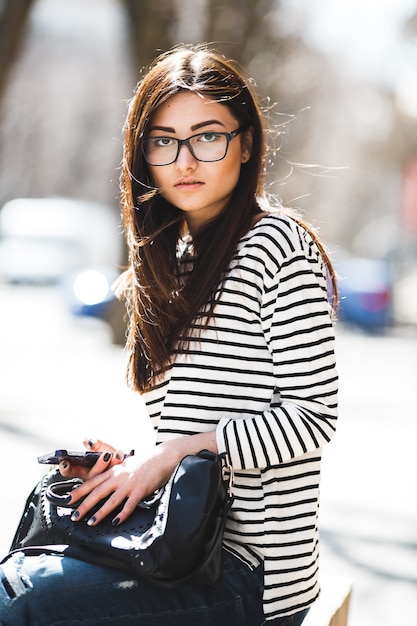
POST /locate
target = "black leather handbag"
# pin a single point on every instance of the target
(173, 537)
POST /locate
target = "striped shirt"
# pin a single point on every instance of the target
(262, 375)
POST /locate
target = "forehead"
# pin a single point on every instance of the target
(185, 109)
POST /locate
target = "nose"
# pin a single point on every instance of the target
(185, 159)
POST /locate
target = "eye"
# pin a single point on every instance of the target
(209, 137)
(161, 142)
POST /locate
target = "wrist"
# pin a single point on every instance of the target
(176, 449)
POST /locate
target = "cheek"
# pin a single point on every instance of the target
(233, 173)
(155, 177)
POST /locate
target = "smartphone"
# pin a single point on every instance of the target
(85, 459)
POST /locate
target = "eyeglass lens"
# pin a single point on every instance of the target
(204, 147)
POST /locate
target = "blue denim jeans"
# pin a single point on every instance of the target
(51, 590)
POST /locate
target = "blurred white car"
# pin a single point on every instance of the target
(42, 239)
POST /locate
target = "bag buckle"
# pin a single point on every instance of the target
(227, 473)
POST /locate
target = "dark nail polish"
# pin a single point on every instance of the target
(91, 443)
(64, 465)
(92, 520)
(116, 521)
(107, 457)
(75, 516)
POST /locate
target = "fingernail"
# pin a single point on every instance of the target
(107, 457)
(118, 455)
(75, 516)
(116, 521)
(91, 443)
(92, 521)
(64, 464)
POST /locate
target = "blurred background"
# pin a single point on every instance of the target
(340, 82)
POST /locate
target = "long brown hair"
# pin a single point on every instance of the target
(160, 314)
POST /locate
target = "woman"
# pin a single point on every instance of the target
(230, 343)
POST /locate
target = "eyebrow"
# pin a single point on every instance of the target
(168, 129)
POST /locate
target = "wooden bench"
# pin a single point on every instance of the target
(332, 606)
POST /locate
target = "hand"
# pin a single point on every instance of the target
(109, 457)
(129, 481)
(134, 478)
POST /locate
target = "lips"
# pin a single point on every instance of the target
(188, 184)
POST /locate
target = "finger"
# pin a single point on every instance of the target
(101, 465)
(113, 498)
(97, 445)
(127, 510)
(117, 458)
(112, 502)
(65, 469)
(84, 489)
(72, 471)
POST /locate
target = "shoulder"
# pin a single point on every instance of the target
(279, 237)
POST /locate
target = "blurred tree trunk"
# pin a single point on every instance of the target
(233, 24)
(238, 28)
(13, 20)
(151, 26)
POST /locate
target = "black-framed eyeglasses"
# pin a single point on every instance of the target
(207, 147)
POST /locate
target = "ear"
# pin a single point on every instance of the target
(247, 142)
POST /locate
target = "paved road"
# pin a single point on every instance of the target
(369, 503)
(61, 379)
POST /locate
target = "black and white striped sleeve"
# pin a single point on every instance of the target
(298, 330)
